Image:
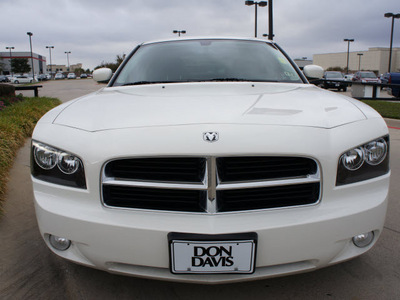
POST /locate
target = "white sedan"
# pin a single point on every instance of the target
(212, 161)
(21, 79)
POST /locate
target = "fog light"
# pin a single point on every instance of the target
(363, 240)
(59, 243)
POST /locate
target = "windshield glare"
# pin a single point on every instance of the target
(207, 60)
(334, 75)
(368, 75)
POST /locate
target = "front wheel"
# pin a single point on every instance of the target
(16, 81)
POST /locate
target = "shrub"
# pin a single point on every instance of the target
(7, 90)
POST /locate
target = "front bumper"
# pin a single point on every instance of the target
(134, 242)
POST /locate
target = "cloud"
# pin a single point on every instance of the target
(98, 30)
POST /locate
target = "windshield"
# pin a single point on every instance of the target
(368, 75)
(334, 75)
(207, 60)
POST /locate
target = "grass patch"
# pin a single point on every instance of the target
(16, 124)
(385, 108)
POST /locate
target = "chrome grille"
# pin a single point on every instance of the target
(212, 184)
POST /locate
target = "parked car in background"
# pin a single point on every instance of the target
(59, 76)
(4, 78)
(348, 77)
(21, 79)
(384, 78)
(337, 83)
(84, 76)
(394, 78)
(365, 76)
(48, 76)
(71, 76)
(41, 77)
(210, 160)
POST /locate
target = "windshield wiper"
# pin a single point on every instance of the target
(202, 80)
(239, 79)
(146, 82)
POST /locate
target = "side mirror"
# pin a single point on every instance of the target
(102, 75)
(313, 72)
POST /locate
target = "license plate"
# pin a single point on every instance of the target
(212, 256)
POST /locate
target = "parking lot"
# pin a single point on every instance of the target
(28, 270)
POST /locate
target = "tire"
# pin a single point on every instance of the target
(16, 81)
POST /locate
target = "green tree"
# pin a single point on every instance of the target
(20, 65)
(79, 71)
(113, 66)
(336, 69)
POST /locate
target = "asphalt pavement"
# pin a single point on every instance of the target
(28, 270)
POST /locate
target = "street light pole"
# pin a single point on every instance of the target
(261, 4)
(68, 53)
(30, 42)
(179, 32)
(270, 21)
(51, 73)
(348, 52)
(359, 61)
(10, 48)
(393, 16)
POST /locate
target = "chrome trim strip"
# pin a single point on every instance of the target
(149, 184)
(260, 184)
(212, 178)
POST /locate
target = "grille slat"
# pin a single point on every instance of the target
(236, 200)
(231, 169)
(158, 169)
(158, 199)
(172, 182)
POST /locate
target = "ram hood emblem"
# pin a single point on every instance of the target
(210, 136)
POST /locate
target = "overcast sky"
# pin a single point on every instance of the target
(98, 30)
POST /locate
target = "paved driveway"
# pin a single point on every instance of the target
(28, 270)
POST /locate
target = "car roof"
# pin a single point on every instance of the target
(207, 38)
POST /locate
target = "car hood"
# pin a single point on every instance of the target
(209, 103)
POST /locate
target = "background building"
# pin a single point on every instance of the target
(63, 68)
(302, 62)
(375, 59)
(39, 61)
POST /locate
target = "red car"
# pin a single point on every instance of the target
(366, 76)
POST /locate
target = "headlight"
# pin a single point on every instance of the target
(353, 159)
(56, 166)
(364, 162)
(376, 152)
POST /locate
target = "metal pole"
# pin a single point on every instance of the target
(255, 22)
(30, 42)
(10, 48)
(391, 46)
(68, 52)
(359, 61)
(51, 66)
(270, 21)
(348, 52)
(51, 70)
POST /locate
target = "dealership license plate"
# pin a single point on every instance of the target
(209, 257)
